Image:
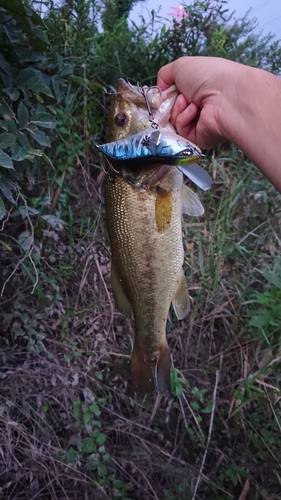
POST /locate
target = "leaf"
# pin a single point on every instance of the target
(87, 418)
(25, 240)
(7, 80)
(45, 90)
(101, 438)
(4, 65)
(39, 33)
(5, 110)
(11, 32)
(55, 222)
(44, 124)
(22, 115)
(271, 278)
(60, 62)
(261, 319)
(5, 160)
(2, 209)
(79, 81)
(23, 211)
(41, 154)
(18, 152)
(95, 409)
(13, 94)
(66, 71)
(11, 125)
(39, 136)
(56, 81)
(7, 140)
(23, 139)
(25, 55)
(29, 78)
(7, 186)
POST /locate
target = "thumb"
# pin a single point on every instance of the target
(165, 77)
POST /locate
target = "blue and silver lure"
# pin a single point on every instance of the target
(151, 146)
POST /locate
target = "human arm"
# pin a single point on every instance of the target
(223, 100)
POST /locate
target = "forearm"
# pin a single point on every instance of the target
(250, 116)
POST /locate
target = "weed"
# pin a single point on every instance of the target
(70, 426)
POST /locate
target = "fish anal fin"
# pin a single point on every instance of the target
(191, 204)
(151, 373)
(181, 299)
(122, 303)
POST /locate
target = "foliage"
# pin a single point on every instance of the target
(266, 312)
(92, 447)
(209, 29)
(70, 427)
(27, 95)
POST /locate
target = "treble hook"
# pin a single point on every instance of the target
(144, 93)
(110, 170)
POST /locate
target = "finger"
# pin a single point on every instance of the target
(179, 106)
(165, 77)
(185, 118)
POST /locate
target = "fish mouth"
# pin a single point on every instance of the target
(160, 101)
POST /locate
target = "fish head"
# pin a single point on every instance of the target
(129, 114)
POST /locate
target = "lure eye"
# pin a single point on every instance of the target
(120, 120)
(187, 152)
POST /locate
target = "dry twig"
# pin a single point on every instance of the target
(209, 437)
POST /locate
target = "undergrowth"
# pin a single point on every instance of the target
(70, 425)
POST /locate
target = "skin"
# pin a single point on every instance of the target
(222, 100)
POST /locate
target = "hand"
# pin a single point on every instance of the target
(204, 84)
(224, 100)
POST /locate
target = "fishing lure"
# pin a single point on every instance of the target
(150, 147)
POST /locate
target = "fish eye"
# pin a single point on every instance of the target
(120, 120)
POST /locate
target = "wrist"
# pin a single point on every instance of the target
(236, 101)
(250, 116)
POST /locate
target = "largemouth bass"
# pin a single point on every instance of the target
(143, 217)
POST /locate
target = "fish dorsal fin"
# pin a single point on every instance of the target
(122, 303)
(181, 299)
(191, 204)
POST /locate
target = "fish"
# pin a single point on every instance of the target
(155, 146)
(143, 208)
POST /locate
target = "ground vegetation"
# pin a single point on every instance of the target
(70, 427)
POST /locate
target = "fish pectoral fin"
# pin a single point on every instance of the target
(181, 300)
(191, 204)
(122, 303)
(151, 372)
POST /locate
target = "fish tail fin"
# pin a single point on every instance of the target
(151, 372)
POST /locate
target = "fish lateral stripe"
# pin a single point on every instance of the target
(163, 210)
